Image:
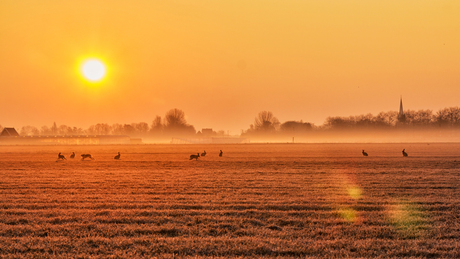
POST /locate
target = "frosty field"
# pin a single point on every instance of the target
(258, 200)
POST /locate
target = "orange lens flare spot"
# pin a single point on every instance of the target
(349, 215)
(354, 192)
(408, 219)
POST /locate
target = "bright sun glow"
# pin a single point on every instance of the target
(93, 70)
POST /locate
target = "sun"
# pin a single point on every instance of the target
(93, 70)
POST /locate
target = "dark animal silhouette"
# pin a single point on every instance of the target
(195, 156)
(62, 157)
(220, 154)
(364, 153)
(404, 152)
(72, 155)
(117, 156)
(204, 153)
(83, 156)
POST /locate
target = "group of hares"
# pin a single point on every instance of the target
(83, 156)
(202, 154)
(403, 153)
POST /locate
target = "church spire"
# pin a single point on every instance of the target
(401, 115)
(401, 111)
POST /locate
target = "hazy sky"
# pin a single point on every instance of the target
(222, 62)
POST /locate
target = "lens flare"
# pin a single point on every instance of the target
(407, 219)
(354, 192)
(348, 214)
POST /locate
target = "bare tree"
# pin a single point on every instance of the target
(266, 122)
(175, 123)
(175, 118)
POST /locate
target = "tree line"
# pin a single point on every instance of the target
(172, 124)
(447, 117)
(265, 123)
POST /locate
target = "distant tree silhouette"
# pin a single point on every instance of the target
(77, 131)
(29, 131)
(419, 118)
(54, 129)
(157, 126)
(175, 123)
(44, 130)
(266, 122)
(100, 129)
(92, 130)
(295, 126)
(134, 129)
(339, 123)
(129, 130)
(175, 118)
(141, 128)
(448, 117)
(364, 121)
(64, 130)
(117, 129)
(386, 119)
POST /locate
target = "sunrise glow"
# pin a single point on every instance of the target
(93, 70)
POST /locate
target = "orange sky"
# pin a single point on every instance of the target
(222, 62)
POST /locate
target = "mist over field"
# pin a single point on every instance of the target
(366, 136)
(405, 126)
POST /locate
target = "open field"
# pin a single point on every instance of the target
(258, 200)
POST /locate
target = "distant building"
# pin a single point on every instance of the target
(401, 115)
(9, 132)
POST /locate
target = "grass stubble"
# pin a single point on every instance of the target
(230, 207)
